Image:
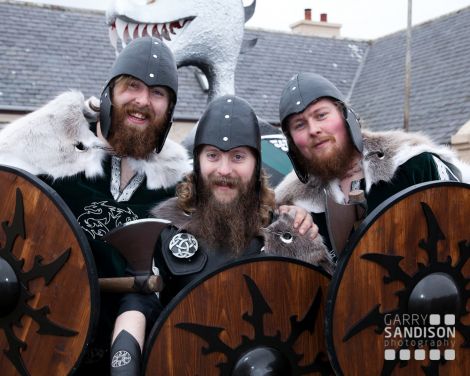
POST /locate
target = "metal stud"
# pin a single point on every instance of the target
(227, 116)
(293, 88)
(229, 101)
(151, 75)
(297, 103)
(225, 139)
(155, 56)
(105, 94)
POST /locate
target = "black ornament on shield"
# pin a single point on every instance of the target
(455, 281)
(15, 290)
(283, 357)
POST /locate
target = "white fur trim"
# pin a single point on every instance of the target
(165, 169)
(397, 147)
(44, 141)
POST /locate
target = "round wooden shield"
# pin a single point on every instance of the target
(266, 305)
(398, 302)
(48, 283)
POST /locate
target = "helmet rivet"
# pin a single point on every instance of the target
(227, 116)
(155, 56)
(151, 75)
(297, 103)
(155, 43)
(229, 101)
(293, 88)
(225, 139)
(105, 94)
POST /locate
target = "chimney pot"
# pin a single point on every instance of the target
(324, 17)
(308, 14)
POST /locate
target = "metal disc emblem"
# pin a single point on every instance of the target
(120, 359)
(183, 245)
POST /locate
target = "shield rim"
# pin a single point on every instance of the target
(63, 208)
(343, 260)
(194, 284)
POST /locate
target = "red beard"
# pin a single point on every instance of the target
(327, 167)
(128, 141)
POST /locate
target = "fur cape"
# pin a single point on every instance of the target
(302, 247)
(170, 211)
(397, 147)
(56, 140)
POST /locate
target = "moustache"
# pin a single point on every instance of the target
(130, 108)
(225, 181)
(318, 140)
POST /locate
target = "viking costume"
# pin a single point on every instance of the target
(179, 268)
(391, 161)
(59, 144)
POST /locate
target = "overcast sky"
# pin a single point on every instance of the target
(363, 19)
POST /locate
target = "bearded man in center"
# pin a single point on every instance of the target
(217, 217)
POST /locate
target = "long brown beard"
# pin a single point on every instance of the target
(330, 167)
(130, 141)
(226, 226)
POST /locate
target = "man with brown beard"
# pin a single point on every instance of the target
(331, 154)
(113, 170)
(216, 218)
(135, 115)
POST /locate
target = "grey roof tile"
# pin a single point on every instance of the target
(440, 74)
(45, 50)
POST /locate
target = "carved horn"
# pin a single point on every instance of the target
(249, 10)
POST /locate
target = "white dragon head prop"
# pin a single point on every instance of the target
(204, 33)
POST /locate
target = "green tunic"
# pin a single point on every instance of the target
(98, 211)
(422, 168)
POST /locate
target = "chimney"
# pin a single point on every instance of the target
(308, 14)
(321, 28)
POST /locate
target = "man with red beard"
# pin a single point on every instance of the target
(330, 153)
(113, 170)
(216, 218)
(135, 116)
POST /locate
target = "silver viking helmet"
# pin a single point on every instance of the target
(152, 62)
(228, 122)
(302, 90)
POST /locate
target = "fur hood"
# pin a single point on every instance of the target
(302, 247)
(56, 140)
(383, 153)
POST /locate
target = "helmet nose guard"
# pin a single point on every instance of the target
(151, 61)
(302, 90)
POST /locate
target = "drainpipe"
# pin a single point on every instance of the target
(406, 112)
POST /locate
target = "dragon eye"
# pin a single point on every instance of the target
(286, 237)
